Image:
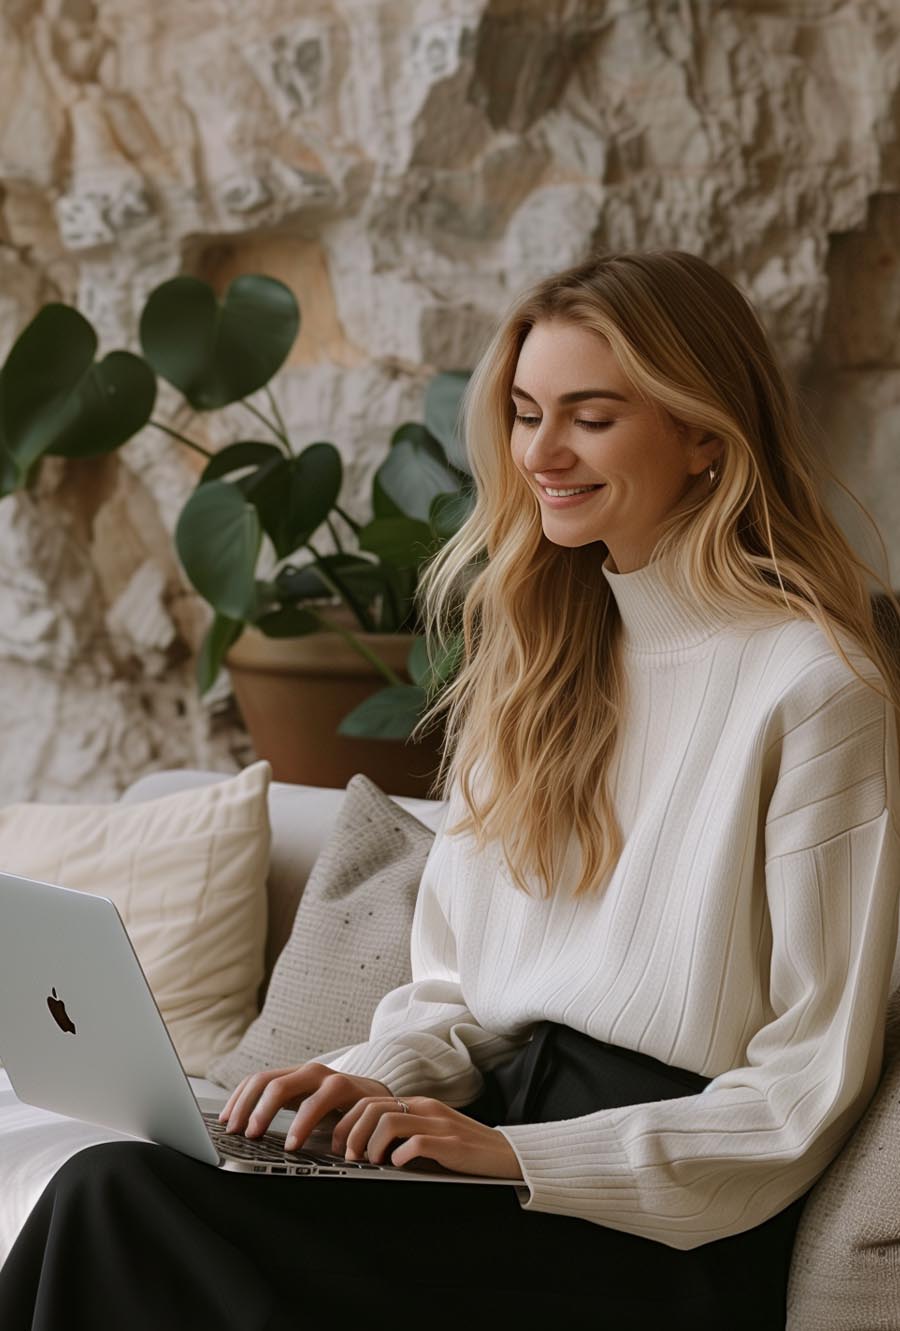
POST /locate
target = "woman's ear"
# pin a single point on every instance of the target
(708, 448)
(712, 447)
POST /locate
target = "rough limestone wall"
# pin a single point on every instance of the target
(405, 165)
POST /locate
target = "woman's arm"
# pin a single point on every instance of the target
(692, 1170)
(423, 1038)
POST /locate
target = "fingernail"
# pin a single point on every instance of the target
(290, 1142)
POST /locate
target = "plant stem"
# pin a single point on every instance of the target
(278, 416)
(395, 608)
(333, 580)
(363, 650)
(282, 438)
(355, 527)
(335, 536)
(167, 429)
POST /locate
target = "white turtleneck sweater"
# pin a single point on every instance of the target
(747, 932)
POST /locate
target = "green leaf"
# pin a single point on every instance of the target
(288, 622)
(362, 576)
(448, 663)
(300, 584)
(54, 398)
(420, 441)
(217, 537)
(214, 351)
(220, 635)
(382, 504)
(417, 662)
(293, 496)
(415, 433)
(434, 677)
(398, 586)
(114, 400)
(390, 490)
(39, 381)
(10, 477)
(399, 541)
(237, 457)
(413, 473)
(390, 713)
(443, 414)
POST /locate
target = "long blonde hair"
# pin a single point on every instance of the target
(540, 686)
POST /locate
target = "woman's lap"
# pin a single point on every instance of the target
(137, 1235)
(140, 1235)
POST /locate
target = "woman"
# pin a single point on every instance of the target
(653, 942)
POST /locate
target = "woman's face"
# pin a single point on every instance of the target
(643, 461)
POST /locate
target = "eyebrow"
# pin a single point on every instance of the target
(580, 395)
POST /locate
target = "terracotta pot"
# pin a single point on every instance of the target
(293, 693)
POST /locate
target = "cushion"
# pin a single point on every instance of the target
(349, 944)
(845, 1269)
(188, 875)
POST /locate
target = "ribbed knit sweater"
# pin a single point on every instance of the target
(747, 932)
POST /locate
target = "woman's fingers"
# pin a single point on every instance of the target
(431, 1130)
(225, 1112)
(337, 1090)
(245, 1095)
(263, 1093)
(314, 1087)
(353, 1134)
(340, 1137)
(392, 1127)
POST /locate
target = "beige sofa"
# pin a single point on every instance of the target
(845, 1274)
(33, 1142)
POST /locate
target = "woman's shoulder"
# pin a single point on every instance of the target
(807, 671)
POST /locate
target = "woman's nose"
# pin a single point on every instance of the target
(547, 450)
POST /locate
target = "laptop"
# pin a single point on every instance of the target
(81, 1035)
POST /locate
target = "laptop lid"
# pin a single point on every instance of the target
(80, 1031)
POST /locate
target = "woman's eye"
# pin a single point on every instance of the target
(530, 421)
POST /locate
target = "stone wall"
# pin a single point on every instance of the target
(405, 165)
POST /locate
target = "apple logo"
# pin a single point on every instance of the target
(58, 1012)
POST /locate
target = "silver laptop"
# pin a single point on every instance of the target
(80, 1034)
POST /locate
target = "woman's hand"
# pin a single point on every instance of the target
(370, 1121)
(431, 1130)
(316, 1089)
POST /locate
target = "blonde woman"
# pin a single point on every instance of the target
(654, 938)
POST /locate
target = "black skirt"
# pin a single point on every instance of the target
(133, 1235)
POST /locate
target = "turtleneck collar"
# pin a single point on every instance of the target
(656, 614)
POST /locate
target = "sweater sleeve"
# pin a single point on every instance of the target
(688, 1171)
(423, 1039)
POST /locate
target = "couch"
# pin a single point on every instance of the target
(845, 1273)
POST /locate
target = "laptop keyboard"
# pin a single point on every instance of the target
(269, 1147)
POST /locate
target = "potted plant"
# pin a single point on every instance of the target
(245, 536)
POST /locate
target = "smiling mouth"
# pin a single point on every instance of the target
(563, 491)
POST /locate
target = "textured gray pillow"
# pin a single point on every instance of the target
(845, 1268)
(350, 941)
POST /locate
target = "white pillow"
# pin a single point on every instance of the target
(350, 941)
(188, 875)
